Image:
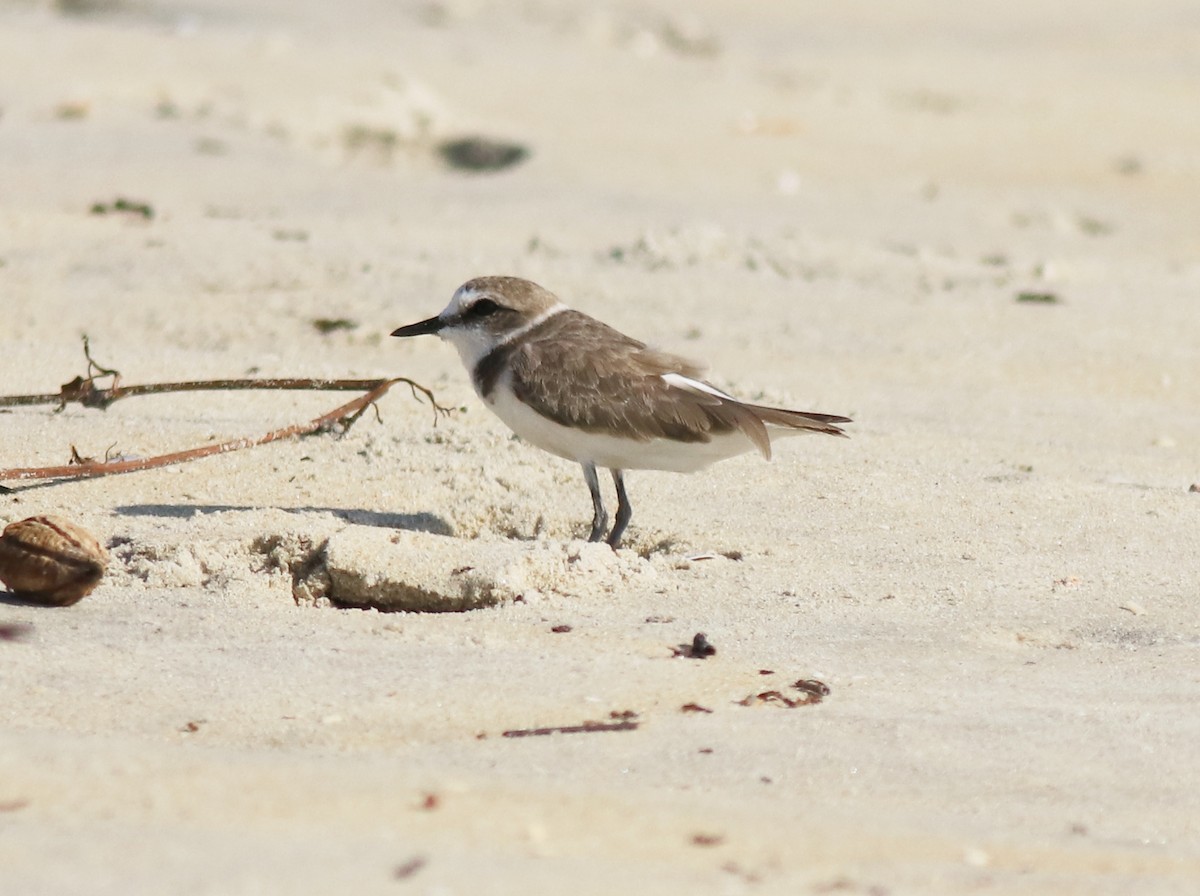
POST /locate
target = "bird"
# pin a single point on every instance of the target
(580, 389)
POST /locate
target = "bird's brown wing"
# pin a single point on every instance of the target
(579, 372)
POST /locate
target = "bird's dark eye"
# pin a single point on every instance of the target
(483, 308)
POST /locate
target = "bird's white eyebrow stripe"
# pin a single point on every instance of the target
(686, 382)
(556, 308)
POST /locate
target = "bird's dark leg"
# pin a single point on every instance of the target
(624, 510)
(600, 519)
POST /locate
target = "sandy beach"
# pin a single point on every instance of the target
(972, 229)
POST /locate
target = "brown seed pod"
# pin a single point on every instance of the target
(47, 560)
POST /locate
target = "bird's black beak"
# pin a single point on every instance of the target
(424, 328)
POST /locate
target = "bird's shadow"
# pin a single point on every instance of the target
(415, 522)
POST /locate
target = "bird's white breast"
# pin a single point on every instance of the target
(609, 449)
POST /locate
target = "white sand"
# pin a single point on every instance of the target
(836, 205)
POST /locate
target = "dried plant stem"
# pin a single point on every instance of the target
(84, 390)
(585, 728)
(345, 415)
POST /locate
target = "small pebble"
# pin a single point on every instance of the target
(481, 154)
(700, 646)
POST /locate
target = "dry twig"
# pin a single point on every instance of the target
(621, 720)
(585, 728)
(85, 391)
